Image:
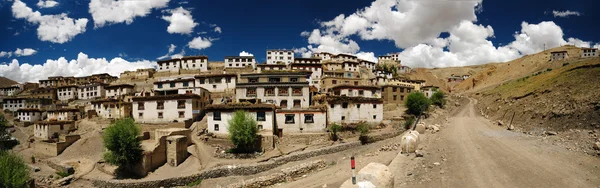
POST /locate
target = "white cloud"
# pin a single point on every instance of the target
(110, 11)
(171, 50)
(218, 29)
(597, 46)
(82, 66)
(181, 21)
(579, 43)
(46, 4)
(199, 43)
(369, 56)
(5, 54)
(565, 13)
(25, 52)
(53, 28)
(244, 53)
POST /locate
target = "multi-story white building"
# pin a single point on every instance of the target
(65, 93)
(284, 56)
(383, 73)
(284, 89)
(589, 52)
(52, 129)
(344, 110)
(270, 67)
(323, 55)
(167, 108)
(29, 114)
(114, 91)
(63, 114)
(310, 64)
(351, 66)
(367, 64)
(356, 91)
(404, 69)
(218, 116)
(559, 55)
(111, 108)
(216, 83)
(344, 57)
(186, 63)
(91, 91)
(301, 120)
(429, 90)
(13, 104)
(384, 58)
(239, 61)
(395, 56)
(10, 90)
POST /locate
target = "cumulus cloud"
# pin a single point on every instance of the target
(18, 52)
(181, 21)
(110, 11)
(416, 27)
(199, 43)
(82, 66)
(46, 4)
(565, 13)
(5, 54)
(171, 50)
(244, 53)
(218, 29)
(53, 28)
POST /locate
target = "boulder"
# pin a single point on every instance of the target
(435, 129)
(372, 175)
(597, 146)
(420, 128)
(551, 133)
(511, 127)
(409, 142)
(500, 123)
(64, 181)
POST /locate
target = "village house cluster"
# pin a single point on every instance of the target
(285, 95)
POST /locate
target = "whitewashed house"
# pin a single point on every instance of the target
(429, 90)
(112, 108)
(240, 62)
(284, 89)
(115, 91)
(63, 114)
(218, 116)
(310, 65)
(187, 63)
(347, 110)
(29, 114)
(14, 103)
(589, 52)
(92, 91)
(367, 64)
(559, 55)
(172, 86)
(68, 92)
(216, 83)
(284, 56)
(167, 108)
(356, 91)
(323, 55)
(301, 120)
(10, 90)
(45, 130)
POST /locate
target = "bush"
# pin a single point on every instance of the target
(438, 99)
(243, 131)
(122, 144)
(62, 174)
(334, 129)
(195, 183)
(409, 122)
(363, 129)
(417, 103)
(13, 171)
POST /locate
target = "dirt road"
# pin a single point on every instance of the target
(472, 152)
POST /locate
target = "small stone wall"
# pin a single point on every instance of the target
(304, 138)
(282, 176)
(228, 170)
(60, 167)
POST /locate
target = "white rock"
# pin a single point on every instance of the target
(372, 175)
(436, 164)
(597, 145)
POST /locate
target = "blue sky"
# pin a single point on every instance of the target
(125, 36)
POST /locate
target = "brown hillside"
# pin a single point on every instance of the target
(5, 82)
(430, 79)
(495, 74)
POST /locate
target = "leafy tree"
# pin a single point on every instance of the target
(417, 103)
(409, 122)
(3, 133)
(438, 99)
(121, 141)
(334, 129)
(13, 170)
(243, 131)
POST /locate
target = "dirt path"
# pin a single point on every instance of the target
(472, 152)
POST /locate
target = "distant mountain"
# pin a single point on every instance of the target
(5, 82)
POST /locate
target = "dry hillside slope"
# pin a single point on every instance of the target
(430, 79)
(5, 82)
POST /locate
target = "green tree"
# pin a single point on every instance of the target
(3, 123)
(363, 129)
(13, 170)
(121, 141)
(409, 122)
(417, 103)
(243, 131)
(438, 99)
(334, 129)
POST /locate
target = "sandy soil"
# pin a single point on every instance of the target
(473, 152)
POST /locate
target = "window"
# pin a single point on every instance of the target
(217, 116)
(160, 105)
(283, 104)
(355, 83)
(394, 90)
(140, 115)
(160, 86)
(374, 117)
(296, 103)
(308, 118)
(62, 127)
(260, 127)
(357, 105)
(289, 118)
(333, 81)
(395, 97)
(228, 80)
(345, 105)
(374, 106)
(186, 84)
(160, 115)
(216, 127)
(172, 84)
(401, 90)
(181, 114)
(283, 91)
(343, 118)
(274, 79)
(269, 91)
(260, 116)
(181, 104)
(140, 106)
(251, 92)
(252, 80)
(361, 92)
(331, 105)
(297, 91)
(293, 79)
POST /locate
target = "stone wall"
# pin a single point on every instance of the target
(282, 176)
(60, 167)
(227, 170)
(55, 148)
(306, 138)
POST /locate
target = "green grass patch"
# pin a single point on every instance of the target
(62, 174)
(195, 183)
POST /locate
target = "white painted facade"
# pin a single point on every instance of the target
(368, 64)
(66, 93)
(384, 57)
(301, 121)
(186, 63)
(344, 57)
(118, 90)
(382, 73)
(29, 115)
(315, 76)
(91, 91)
(357, 92)
(282, 96)
(111, 109)
(62, 115)
(429, 90)
(48, 130)
(164, 110)
(9, 91)
(323, 55)
(174, 84)
(559, 55)
(355, 112)
(14, 104)
(589, 52)
(217, 83)
(218, 121)
(285, 56)
(239, 61)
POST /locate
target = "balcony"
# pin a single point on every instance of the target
(297, 94)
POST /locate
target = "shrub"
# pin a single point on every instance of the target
(334, 129)
(243, 131)
(195, 183)
(548, 69)
(363, 129)
(13, 171)
(565, 64)
(409, 122)
(438, 99)
(417, 103)
(122, 144)
(62, 173)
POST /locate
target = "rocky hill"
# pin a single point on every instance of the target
(5, 82)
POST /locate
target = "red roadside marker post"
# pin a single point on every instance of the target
(353, 165)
